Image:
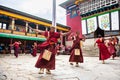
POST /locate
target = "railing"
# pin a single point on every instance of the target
(89, 6)
(41, 36)
(18, 33)
(5, 31)
(21, 33)
(1, 30)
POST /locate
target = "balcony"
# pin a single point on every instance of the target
(21, 33)
(18, 33)
(5, 31)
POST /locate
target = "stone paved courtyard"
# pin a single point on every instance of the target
(22, 68)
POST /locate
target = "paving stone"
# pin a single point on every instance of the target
(23, 68)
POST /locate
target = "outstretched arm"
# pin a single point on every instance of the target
(67, 33)
(36, 30)
(83, 39)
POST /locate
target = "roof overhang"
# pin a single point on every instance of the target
(67, 3)
(71, 2)
(5, 35)
(29, 18)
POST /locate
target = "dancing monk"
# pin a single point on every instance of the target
(48, 46)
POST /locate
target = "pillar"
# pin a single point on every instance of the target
(61, 37)
(54, 14)
(46, 29)
(13, 25)
(11, 41)
(26, 28)
(37, 29)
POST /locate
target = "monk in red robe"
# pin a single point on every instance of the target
(111, 47)
(16, 48)
(49, 45)
(76, 45)
(116, 43)
(103, 50)
(34, 49)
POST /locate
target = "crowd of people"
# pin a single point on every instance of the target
(49, 49)
(108, 47)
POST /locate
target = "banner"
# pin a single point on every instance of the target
(84, 27)
(115, 20)
(104, 21)
(92, 24)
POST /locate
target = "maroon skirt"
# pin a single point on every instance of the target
(104, 53)
(42, 63)
(76, 58)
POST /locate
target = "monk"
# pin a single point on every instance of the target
(116, 41)
(111, 47)
(16, 48)
(76, 45)
(103, 50)
(34, 49)
(49, 44)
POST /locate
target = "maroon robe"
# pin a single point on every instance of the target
(34, 51)
(103, 51)
(111, 48)
(76, 45)
(16, 48)
(50, 45)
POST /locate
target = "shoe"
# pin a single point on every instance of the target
(113, 58)
(71, 63)
(103, 62)
(76, 65)
(41, 71)
(48, 71)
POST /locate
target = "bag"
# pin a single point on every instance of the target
(47, 55)
(77, 52)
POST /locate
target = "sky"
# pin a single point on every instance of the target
(40, 8)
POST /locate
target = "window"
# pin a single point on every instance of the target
(4, 26)
(0, 25)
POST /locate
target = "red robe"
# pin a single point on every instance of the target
(16, 48)
(73, 57)
(103, 51)
(34, 51)
(48, 44)
(111, 48)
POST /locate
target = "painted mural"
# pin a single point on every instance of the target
(104, 22)
(92, 24)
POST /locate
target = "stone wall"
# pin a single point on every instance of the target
(89, 49)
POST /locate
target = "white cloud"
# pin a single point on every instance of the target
(40, 8)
